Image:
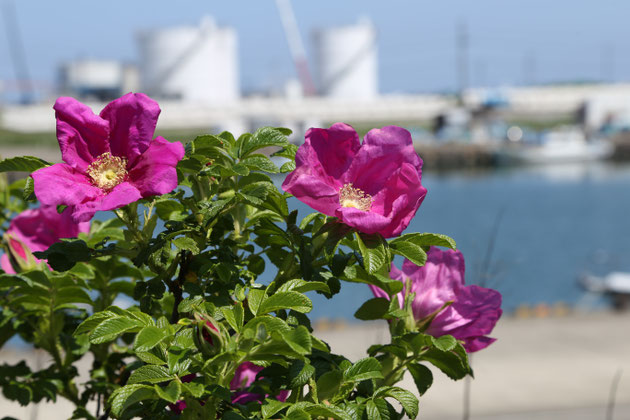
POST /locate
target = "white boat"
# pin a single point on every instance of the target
(615, 285)
(559, 146)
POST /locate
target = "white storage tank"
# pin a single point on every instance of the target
(347, 62)
(190, 63)
(91, 78)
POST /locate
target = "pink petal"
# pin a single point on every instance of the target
(60, 184)
(333, 149)
(382, 153)
(312, 189)
(5, 264)
(122, 194)
(82, 135)
(132, 120)
(363, 221)
(154, 171)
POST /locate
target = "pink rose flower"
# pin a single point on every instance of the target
(244, 377)
(36, 230)
(373, 187)
(472, 315)
(110, 159)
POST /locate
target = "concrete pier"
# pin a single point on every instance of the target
(554, 368)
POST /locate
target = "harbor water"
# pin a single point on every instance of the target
(528, 232)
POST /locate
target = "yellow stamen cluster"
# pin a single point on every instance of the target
(355, 197)
(107, 171)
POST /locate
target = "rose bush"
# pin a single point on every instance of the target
(215, 271)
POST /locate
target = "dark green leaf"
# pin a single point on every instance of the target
(149, 337)
(150, 373)
(286, 300)
(187, 244)
(111, 328)
(23, 164)
(170, 393)
(422, 376)
(373, 249)
(375, 308)
(128, 395)
(368, 368)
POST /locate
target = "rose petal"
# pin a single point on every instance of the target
(132, 120)
(82, 135)
(312, 189)
(154, 171)
(333, 149)
(5, 264)
(60, 184)
(382, 153)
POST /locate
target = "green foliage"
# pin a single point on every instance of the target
(189, 265)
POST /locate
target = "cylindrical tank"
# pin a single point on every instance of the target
(190, 63)
(347, 61)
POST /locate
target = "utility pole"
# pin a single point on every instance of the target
(18, 56)
(462, 40)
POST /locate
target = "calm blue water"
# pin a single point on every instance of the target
(552, 224)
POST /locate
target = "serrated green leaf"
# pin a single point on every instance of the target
(93, 321)
(187, 244)
(409, 250)
(427, 239)
(445, 342)
(286, 300)
(150, 373)
(23, 164)
(265, 137)
(448, 362)
(287, 167)
(170, 393)
(299, 339)
(111, 328)
(367, 368)
(254, 299)
(408, 401)
(29, 190)
(124, 397)
(271, 407)
(373, 249)
(149, 337)
(260, 163)
(372, 411)
(422, 377)
(328, 384)
(375, 308)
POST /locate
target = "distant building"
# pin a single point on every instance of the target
(190, 63)
(346, 61)
(95, 79)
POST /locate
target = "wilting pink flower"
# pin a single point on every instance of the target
(36, 230)
(474, 310)
(110, 159)
(244, 377)
(373, 187)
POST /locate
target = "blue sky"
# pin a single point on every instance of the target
(566, 39)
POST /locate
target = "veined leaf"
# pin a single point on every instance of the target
(23, 164)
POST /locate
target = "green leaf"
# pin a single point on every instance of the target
(422, 376)
(299, 373)
(286, 300)
(448, 362)
(271, 407)
(171, 393)
(427, 239)
(328, 384)
(408, 401)
(367, 368)
(62, 256)
(372, 411)
(124, 397)
(111, 328)
(150, 373)
(149, 337)
(373, 249)
(29, 190)
(260, 163)
(375, 308)
(254, 299)
(409, 250)
(187, 244)
(299, 339)
(445, 342)
(93, 321)
(265, 137)
(23, 164)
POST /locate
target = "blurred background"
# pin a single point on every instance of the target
(520, 110)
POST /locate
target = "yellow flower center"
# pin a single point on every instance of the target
(355, 197)
(107, 171)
